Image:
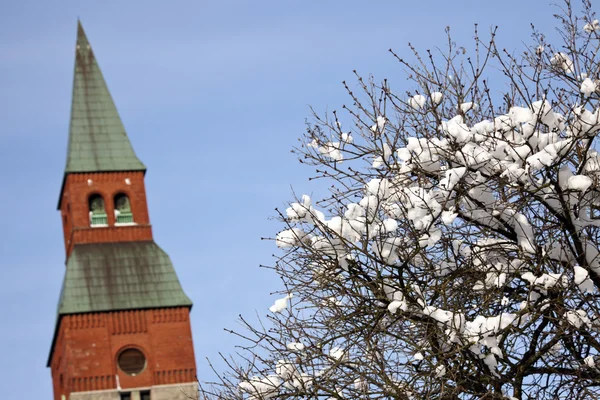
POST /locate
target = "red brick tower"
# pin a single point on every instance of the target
(123, 328)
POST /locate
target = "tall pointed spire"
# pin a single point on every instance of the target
(97, 139)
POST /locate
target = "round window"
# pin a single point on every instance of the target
(131, 361)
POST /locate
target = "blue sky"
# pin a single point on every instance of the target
(213, 95)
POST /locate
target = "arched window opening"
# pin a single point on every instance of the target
(123, 214)
(97, 211)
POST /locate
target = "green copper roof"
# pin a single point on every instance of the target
(119, 276)
(97, 138)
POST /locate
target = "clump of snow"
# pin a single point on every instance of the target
(540, 160)
(377, 129)
(396, 305)
(332, 150)
(436, 98)
(289, 238)
(438, 314)
(586, 123)
(421, 206)
(546, 281)
(562, 61)
(440, 371)
(280, 304)
(387, 152)
(390, 225)
(468, 106)
(285, 369)
(388, 248)
(582, 279)
(520, 115)
(592, 27)
(347, 138)
(295, 346)
(588, 87)
(524, 232)
(261, 388)
(490, 325)
(378, 187)
(484, 127)
(448, 217)
(589, 361)
(457, 129)
(491, 363)
(542, 110)
(580, 274)
(579, 182)
(453, 176)
(360, 384)
(304, 211)
(539, 50)
(577, 318)
(338, 354)
(417, 102)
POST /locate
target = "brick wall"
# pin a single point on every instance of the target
(74, 207)
(87, 347)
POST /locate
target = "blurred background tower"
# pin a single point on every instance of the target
(122, 328)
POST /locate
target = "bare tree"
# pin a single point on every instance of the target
(457, 255)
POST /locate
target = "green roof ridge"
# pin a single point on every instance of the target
(97, 138)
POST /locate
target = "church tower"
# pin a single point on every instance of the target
(123, 327)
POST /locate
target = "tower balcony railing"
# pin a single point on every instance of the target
(124, 218)
(98, 220)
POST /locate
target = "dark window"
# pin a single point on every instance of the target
(132, 361)
(97, 211)
(125, 396)
(96, 204)
(123, 209)
(145, 395)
